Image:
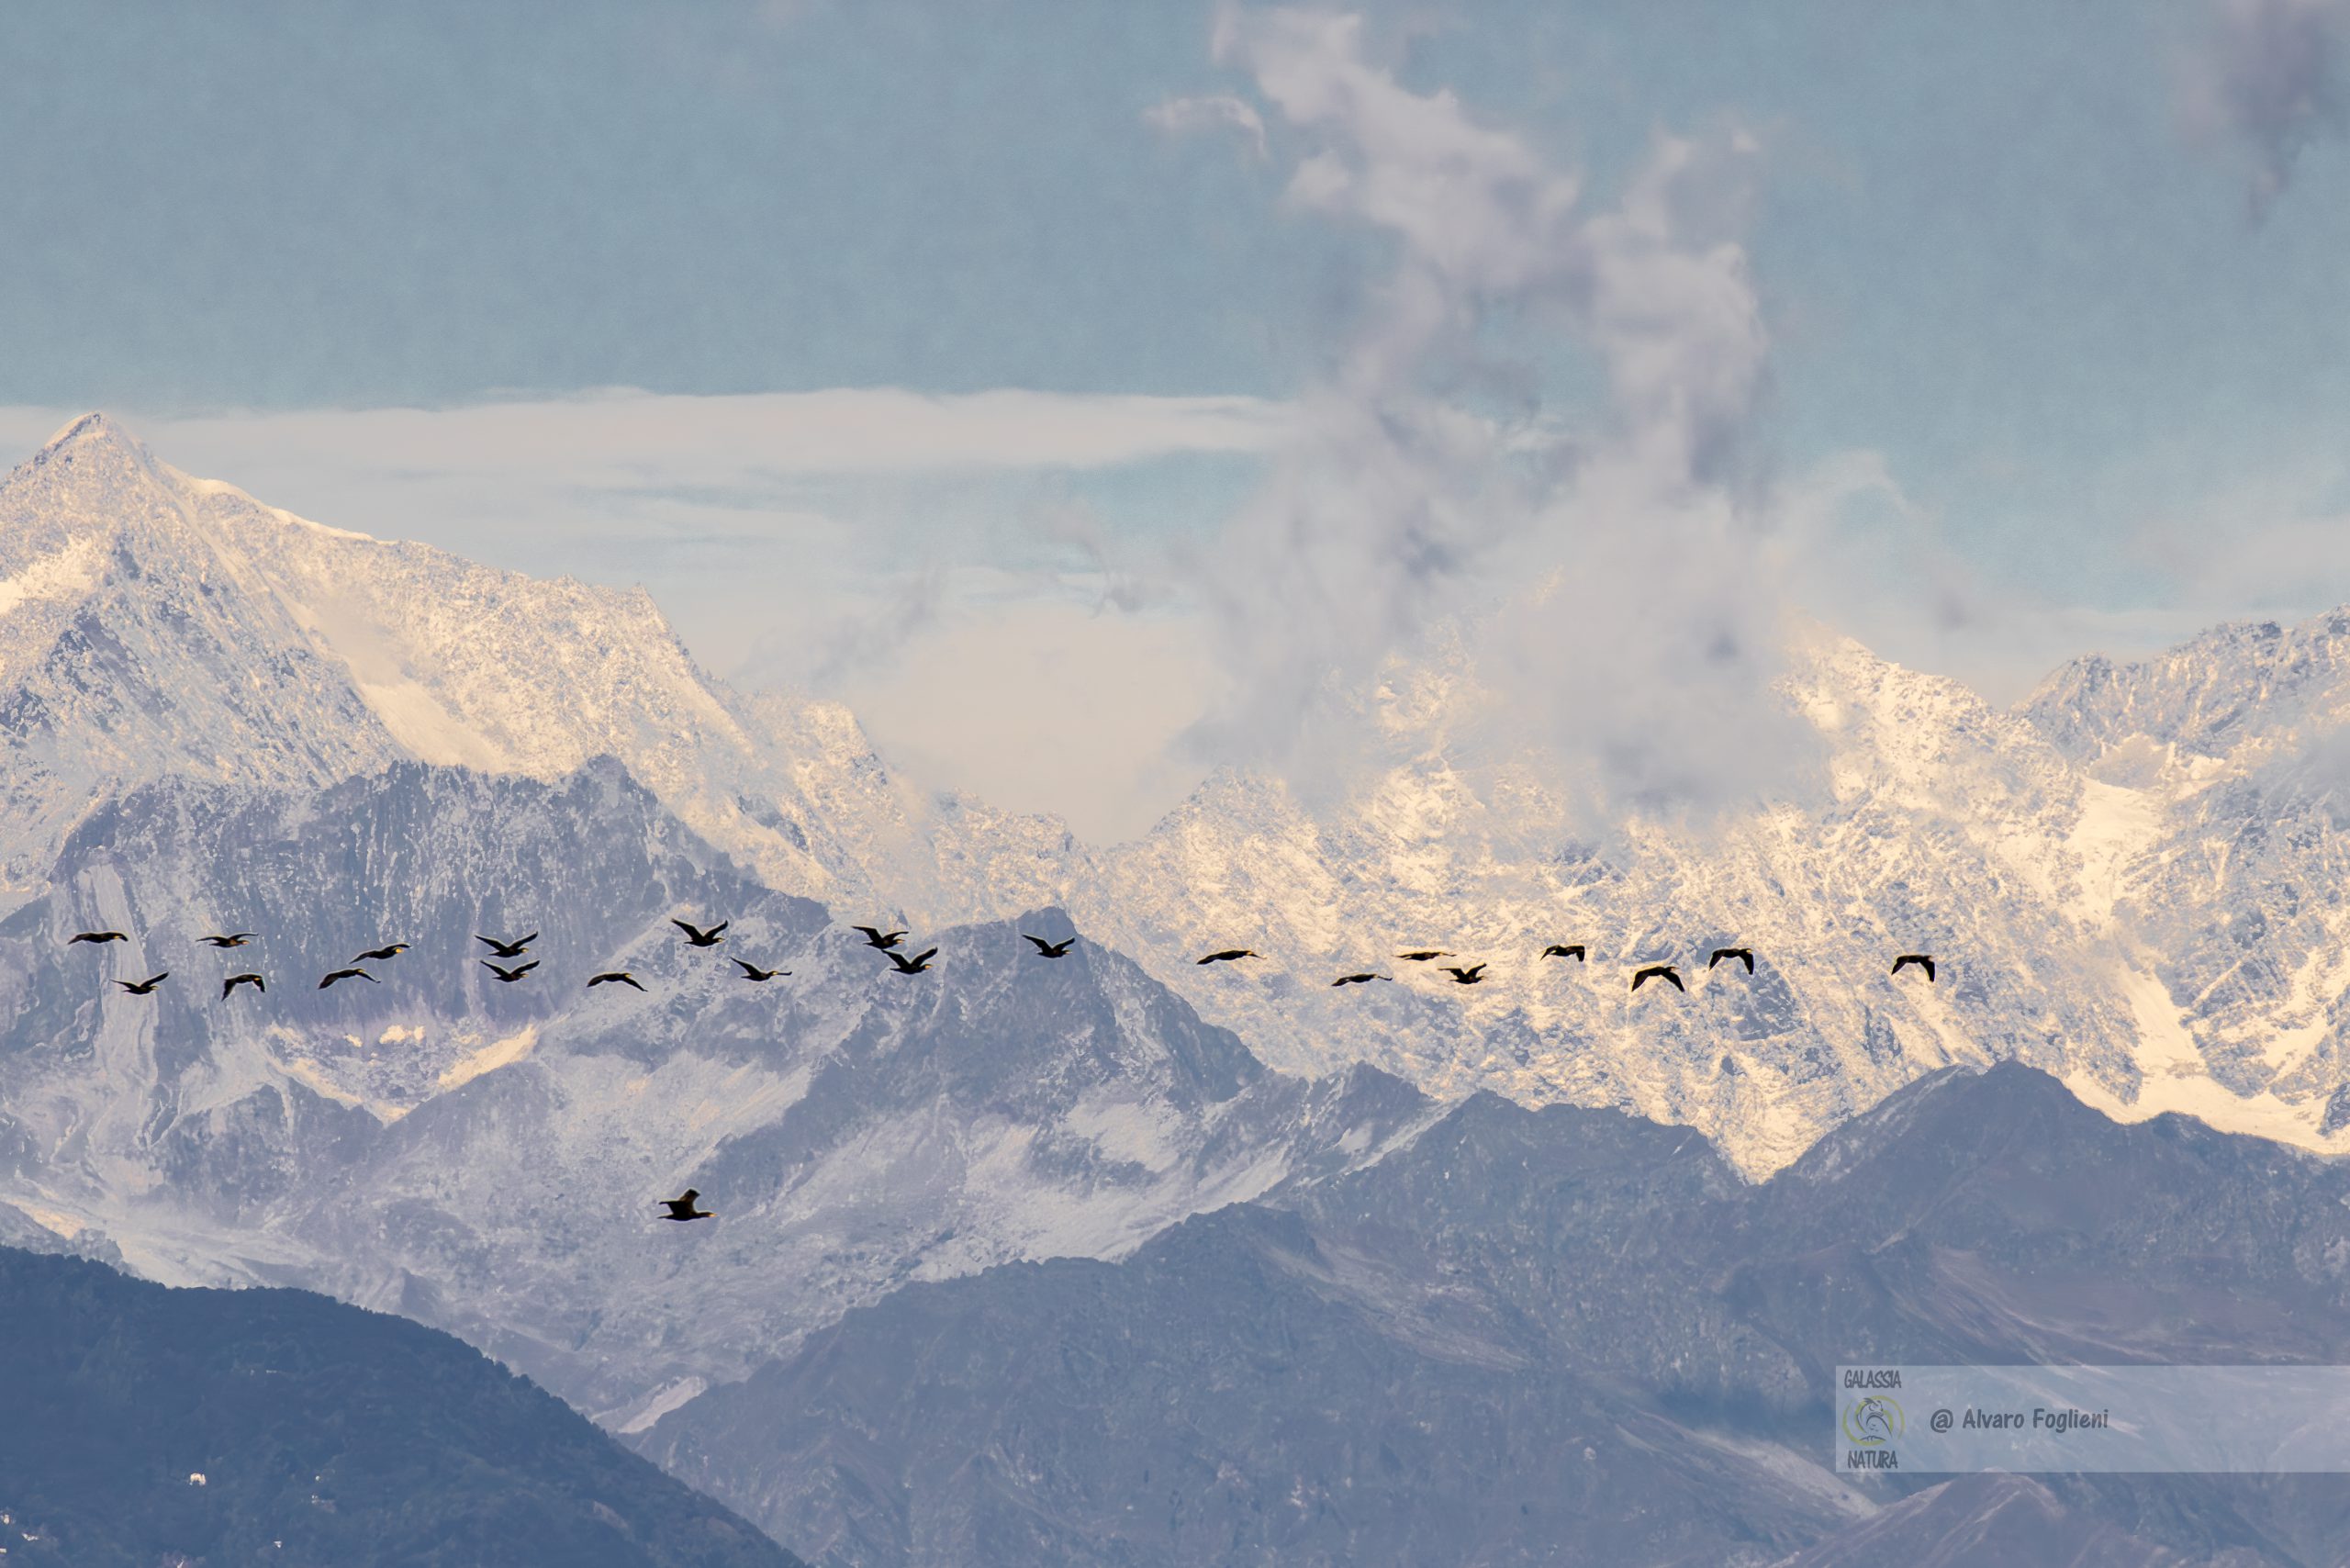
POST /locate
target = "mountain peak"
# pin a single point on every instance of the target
(91, 434)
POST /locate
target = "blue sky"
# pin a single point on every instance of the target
(2031, 349)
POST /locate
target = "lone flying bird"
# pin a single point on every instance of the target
(1745, 955)
(682, 1208)
(146, 987)
(1659, 972)
(1469, 976)
(335, 975)
(1923, 960)
(234, 939)
(877, 937)
(753, 972)
(233, 981)
(510, 976)
(95, 936)
(1359, 979)
(1229, 955)
(1565, 950)
(613, 977)
(1425, 954)
(1050, 949)
(917, 964)
(508, 949)
(697, 937)
(383, 954)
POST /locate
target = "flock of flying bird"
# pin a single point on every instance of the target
(506, 973)
(682, 1208)
(1473, 974)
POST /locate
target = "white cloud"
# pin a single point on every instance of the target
(1181, 116)
(760, 522)
(1041, 704)
(1426, 492)
(642, 438)
(2266, 73)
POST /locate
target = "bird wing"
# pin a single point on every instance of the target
(926, 956)
(1042, 945)
(720, 926)
(683, 926)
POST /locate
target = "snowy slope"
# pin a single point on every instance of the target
(486, 1156)
(153, 624)
(2127, 879)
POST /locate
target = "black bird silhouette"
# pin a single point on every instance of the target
(335, 975)
(383, 954)
(682, 1208)
(1469, 976)
(1051, 949)
(1359, 979)
(95, 936)
(697, 937)
(1565, 950)
(1229, 955)
(917, 964)
(752, 971)
(234, 939)
(877, 937)
(613, 977)
(146, 987)
(1745, 955)
(508, 949)
(1658, 972)
(510, 976)
(1425, 954)
(1923, 960)
(233, 981)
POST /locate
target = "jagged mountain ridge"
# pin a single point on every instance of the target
(1567, 1336)
(2148, 913)
(486, 1157)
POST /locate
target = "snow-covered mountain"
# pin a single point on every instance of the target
(2129, 883)
(2127, 880)
(151, 624)
(486, 1156)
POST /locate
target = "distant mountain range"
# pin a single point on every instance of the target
(201, 1428)
(2128, 879)
(1567, 1337)
(217, 715)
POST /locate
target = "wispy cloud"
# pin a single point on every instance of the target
(626, 436)
(2267, 76)
(1180, 117)
(1607, 574)
(774, 529)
